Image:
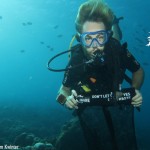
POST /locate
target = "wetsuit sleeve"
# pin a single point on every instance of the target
(70, 76)
(130, 62)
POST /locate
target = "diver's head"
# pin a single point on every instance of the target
(93, 38)
(93, 25)
(94, 11)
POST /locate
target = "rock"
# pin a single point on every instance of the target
(71, 137)
(42, 146)
(39, 146)
(24, 139)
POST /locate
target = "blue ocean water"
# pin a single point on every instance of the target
(31, 32)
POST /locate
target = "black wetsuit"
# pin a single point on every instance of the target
(105, 127)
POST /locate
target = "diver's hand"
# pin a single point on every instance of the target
(137, 99)
(72, 102)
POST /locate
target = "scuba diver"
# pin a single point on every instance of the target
(101, 62)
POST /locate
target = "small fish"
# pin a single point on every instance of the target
(137, 32)
(24, 24)
(144, 30)
(42, 42)
(29, 23)
(51, 49)
(139, 40)
(141, 44)
(22, 51)
(146, 64)
(55, 27)
(1, 17)
(59, 35)
(48, 46)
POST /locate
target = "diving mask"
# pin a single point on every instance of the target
(101, 38)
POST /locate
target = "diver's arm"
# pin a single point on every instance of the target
(138, 78)
(137, 81)
(67, 97)
(66, 91)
